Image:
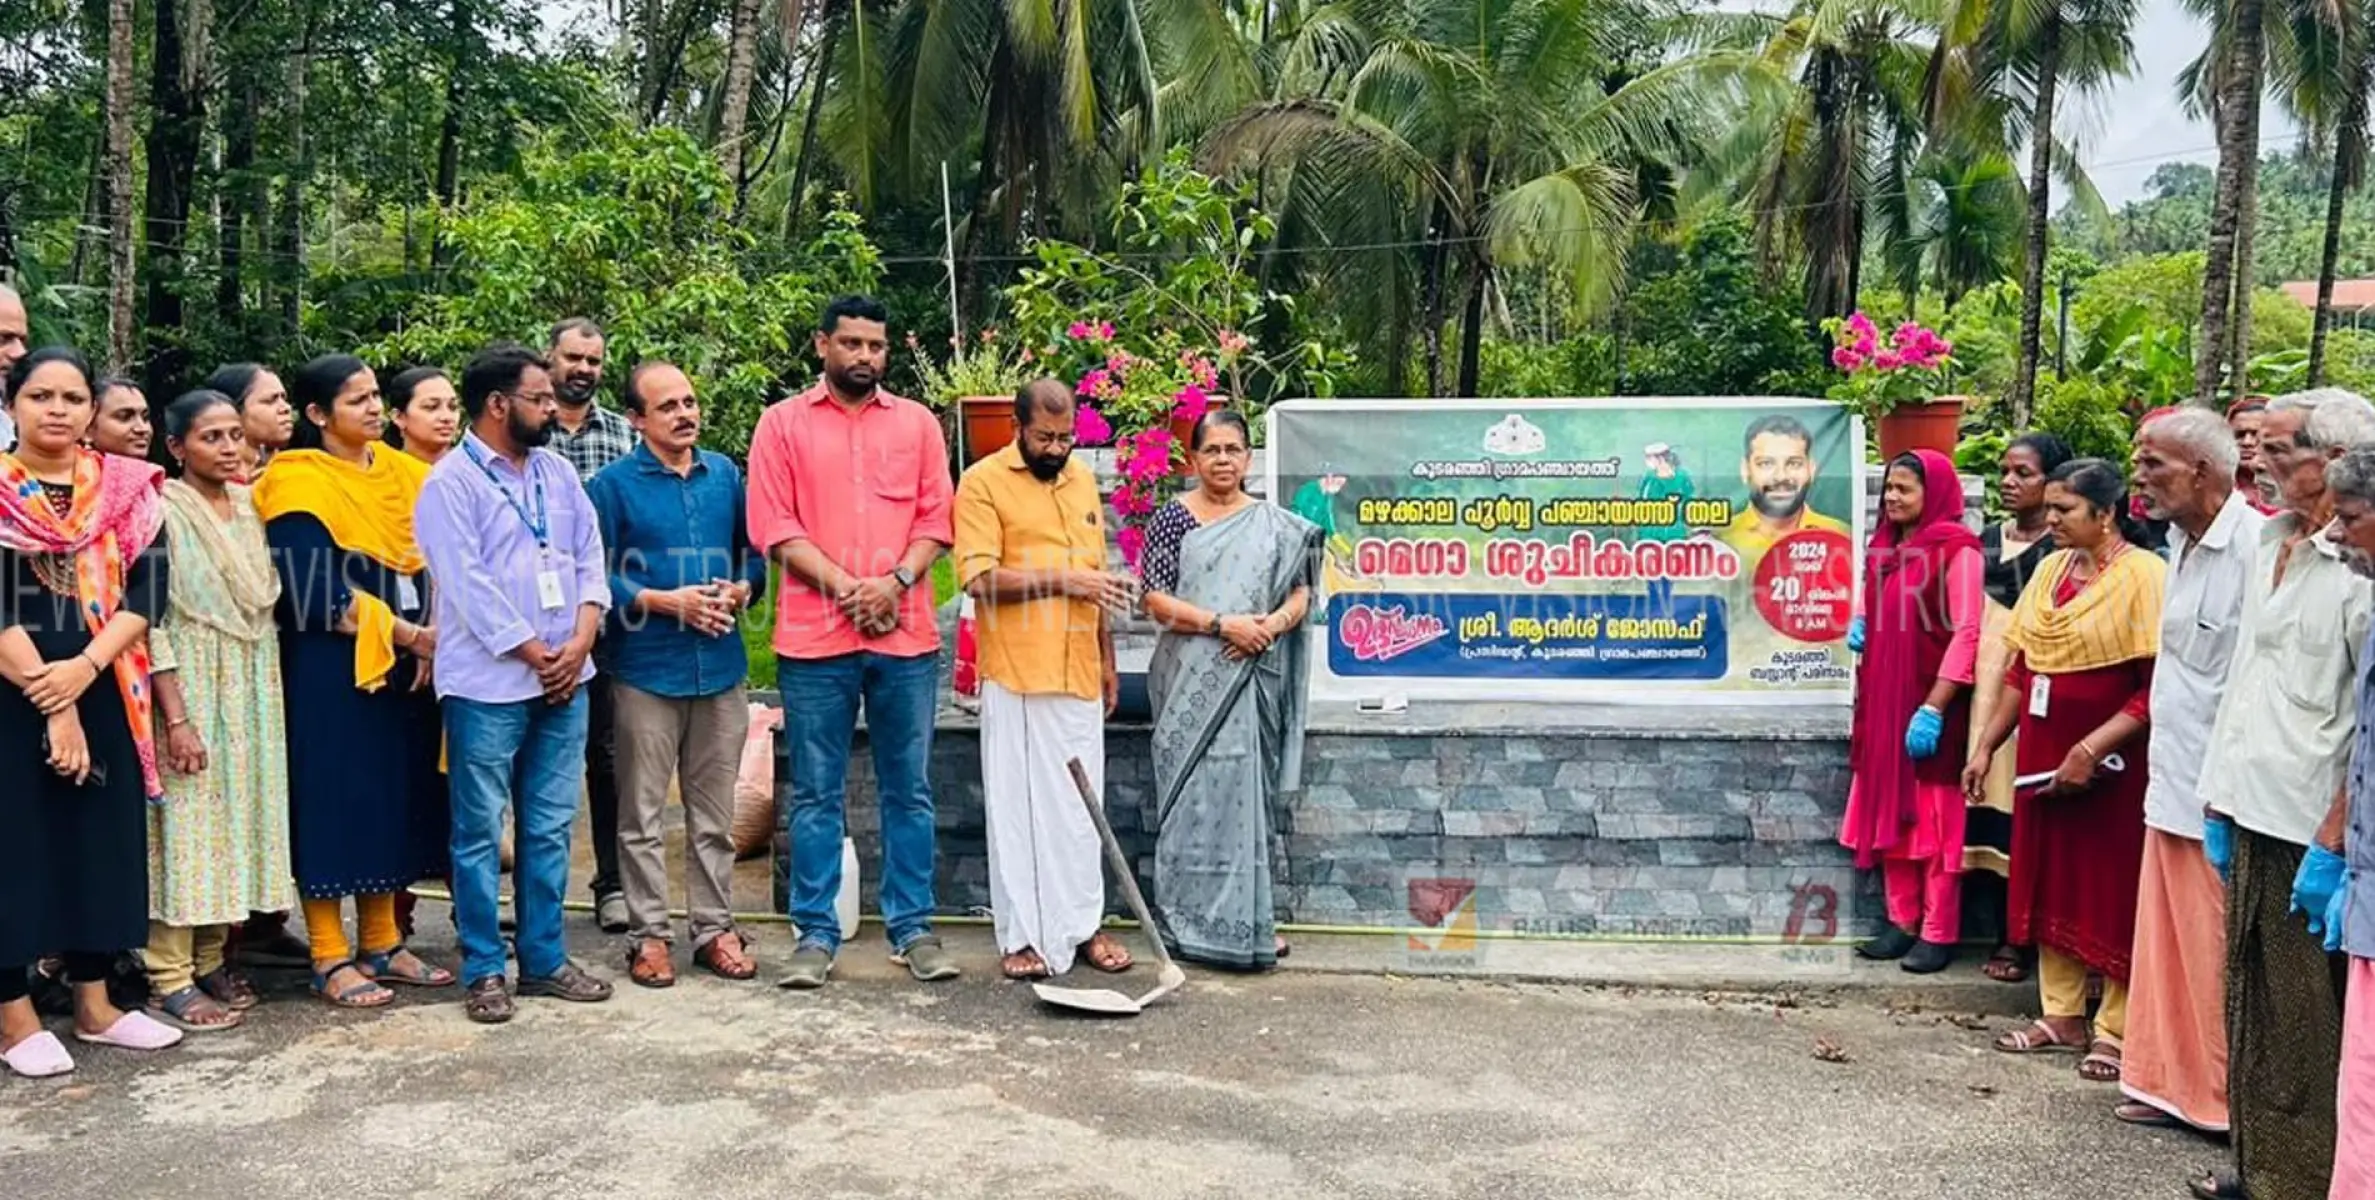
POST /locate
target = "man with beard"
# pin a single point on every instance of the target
(592, 437)
(2349, 920)
(15, 329)
(850, 495)
(516, 551)
(2275, 787)
(2174, 1066)
(1031, 550)
(1778, 465)
(681, 573)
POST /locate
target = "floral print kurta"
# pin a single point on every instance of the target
(218, 847)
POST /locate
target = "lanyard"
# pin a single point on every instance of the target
(538, 527)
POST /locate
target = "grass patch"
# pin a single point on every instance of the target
(758, 625)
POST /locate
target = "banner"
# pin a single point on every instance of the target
(1691, 550)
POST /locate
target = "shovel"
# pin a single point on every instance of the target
(1106, 1001)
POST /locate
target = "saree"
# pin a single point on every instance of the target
(1228, 738)
(117, 511)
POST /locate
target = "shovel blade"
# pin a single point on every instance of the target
(1091, 1000)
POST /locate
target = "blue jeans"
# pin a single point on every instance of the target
(820, 717)
(492, 750)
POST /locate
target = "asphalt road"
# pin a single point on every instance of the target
(1293, 1084)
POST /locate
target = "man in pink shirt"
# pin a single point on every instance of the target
(850, 496)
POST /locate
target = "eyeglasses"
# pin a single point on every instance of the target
(1050, 441)
(536, 399)
(1226, 451)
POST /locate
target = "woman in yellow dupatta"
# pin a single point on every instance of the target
(367, 807)
(2084, 638)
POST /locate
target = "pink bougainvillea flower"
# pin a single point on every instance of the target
(1887, 360)
(1090, 383)
(1232, 343)
(1132, 541)
(1147, 455)
(1846, 359)
(1190, 403)
(1077, 330)
(1091, 427)
(1129, 502)
(1104, 331)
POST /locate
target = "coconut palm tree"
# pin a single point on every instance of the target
(1054, 102)
(1955, 223)
(1816, 158)
(1507, 133)
(2020, 59)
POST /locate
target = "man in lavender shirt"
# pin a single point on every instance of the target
(515, 552)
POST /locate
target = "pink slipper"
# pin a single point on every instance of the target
(38, 1057)
(134, 1031)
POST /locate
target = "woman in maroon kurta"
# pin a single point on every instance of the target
(2084, 639)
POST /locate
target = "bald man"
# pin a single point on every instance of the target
(15, 327)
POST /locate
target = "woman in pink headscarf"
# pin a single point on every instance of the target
(1924, 598)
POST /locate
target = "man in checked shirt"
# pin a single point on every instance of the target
(592, 437)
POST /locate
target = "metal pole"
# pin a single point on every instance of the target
(956, 320)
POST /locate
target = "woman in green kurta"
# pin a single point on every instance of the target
(218, 847)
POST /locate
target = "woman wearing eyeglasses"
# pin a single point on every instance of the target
(81, 578)
(1229, 580)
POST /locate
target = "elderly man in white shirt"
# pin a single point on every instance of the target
(2279, 753)
(2174, 1069)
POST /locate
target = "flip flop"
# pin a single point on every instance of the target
(134, 1031)
(2216, 1185)
(2136, 1112)
(367, 994)
(1115, 963)
(38, 1057)
(2105, 1053)
(381, 967)
(2038, 1038)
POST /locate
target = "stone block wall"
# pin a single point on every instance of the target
(1596, 829)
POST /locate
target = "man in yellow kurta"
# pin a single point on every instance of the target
(1031, 551)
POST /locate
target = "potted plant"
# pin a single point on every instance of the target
(978, 384)
(1895, 384)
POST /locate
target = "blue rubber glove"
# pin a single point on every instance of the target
(1855, 636)
(2218, 845)
(2334, 913)
(1921, 735)
(2314, 885)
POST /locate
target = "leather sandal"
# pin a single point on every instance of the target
(649, 964)
(727, 957)
(367, 994)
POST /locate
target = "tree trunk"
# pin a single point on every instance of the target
(1430, 299)
(651, 24)
(2349, 154)
(2239, 323)
(1480, 275)
(119, 184)
(291, 237)
(177, 126)
(2238, 155)
(460, 47)
(742, 55)
(974, 282)
(818, 71)
(2032, 276)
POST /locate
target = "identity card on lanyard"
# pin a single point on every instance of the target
(538, 521)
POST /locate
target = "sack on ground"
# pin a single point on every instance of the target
(754, 784)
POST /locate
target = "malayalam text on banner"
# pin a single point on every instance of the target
(1597, 550)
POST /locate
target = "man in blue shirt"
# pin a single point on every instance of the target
(681, 573)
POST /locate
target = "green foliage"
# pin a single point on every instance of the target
(1705, 320)
(2089, 414)
(635, 232)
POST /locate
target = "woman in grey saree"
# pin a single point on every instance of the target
(1230, 582)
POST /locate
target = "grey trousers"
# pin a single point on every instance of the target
(696, 744)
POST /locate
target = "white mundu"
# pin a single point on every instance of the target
(1047, 870)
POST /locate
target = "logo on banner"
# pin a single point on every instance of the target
(1445, 910)
(1380, 635)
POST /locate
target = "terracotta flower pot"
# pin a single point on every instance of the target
(1936, 425)
(989, 425)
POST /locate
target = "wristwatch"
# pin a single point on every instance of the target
(1213, 626)
(905, 577)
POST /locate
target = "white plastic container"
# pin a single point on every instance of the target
(846, 904)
